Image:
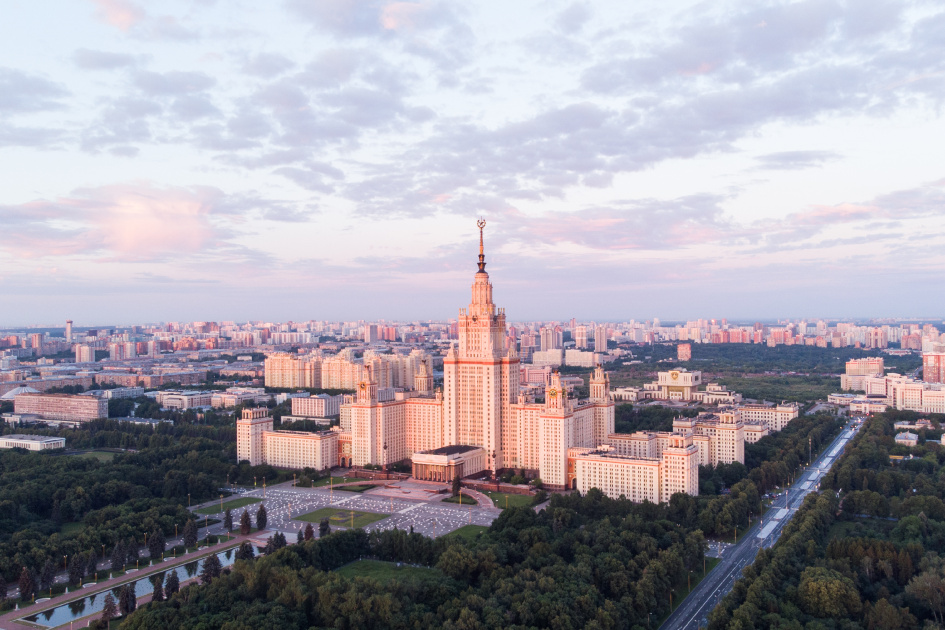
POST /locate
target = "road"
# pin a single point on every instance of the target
(694, 611)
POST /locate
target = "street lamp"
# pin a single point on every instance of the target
(188, 499)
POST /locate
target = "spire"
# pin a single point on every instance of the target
(482, 257)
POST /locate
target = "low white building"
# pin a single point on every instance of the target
(32, 442)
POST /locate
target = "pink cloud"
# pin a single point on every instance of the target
(126, 222)
(120, 13)
(399, 15)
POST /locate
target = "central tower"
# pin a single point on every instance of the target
(480, 377)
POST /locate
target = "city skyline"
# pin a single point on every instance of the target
(328, 160)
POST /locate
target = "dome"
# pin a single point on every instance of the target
(13, 393)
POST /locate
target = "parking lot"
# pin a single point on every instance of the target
(409, 505)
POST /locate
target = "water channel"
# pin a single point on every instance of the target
(93, 604)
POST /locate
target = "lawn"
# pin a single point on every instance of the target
(325, 481)
(363, 488)
(504, 500)
(466, 500)
(468, 532)
(341, 518)
(387, 571)
(214, 508)
(102, 456)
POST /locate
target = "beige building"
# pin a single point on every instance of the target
(320, 406)
(858, 370)
(481, 421)
(258, 443)
(67, 407)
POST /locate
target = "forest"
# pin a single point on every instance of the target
(870, 558)
(583, 562)
(59, 504)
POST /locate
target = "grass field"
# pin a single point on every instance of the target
(102, 456)
(363, 488)
(467, 532)
(504, 500)
(214, 508)
(387, 571)
(341, 518)
(332, 481)
(467, 500)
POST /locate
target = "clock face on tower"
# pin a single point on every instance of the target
(553, 393)
(362, 385)
(475, 318)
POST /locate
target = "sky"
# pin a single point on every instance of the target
(302, 159)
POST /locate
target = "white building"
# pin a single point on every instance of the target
(32, 442)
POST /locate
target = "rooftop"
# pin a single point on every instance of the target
(453, 449)
(22, 437)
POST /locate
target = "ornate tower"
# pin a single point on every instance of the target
(480, 376)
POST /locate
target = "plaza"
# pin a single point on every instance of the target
(406, 504)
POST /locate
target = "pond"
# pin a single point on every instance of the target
(93, 604)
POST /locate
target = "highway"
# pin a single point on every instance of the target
(693, 612)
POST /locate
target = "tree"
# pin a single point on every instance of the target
(26, 584)
(118, 557)
(131, 551)
(157, 595)
(91, 563)
(157, 544)
(110, 611)
(76, 569)
(211, 568)
(228, 520)
(245, 551)
(457, 486)
(47, 575)
(300, 537)
(4, 591)
(190, 534)
(278, 541)
(171, 584)
(245, 526)
(127, 600)
(826, 593)
(309, 531)
(261, 517)
(324, 528)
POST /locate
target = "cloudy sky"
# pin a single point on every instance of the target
(303, 159)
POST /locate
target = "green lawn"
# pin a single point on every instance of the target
(387, 571)
(214, 508)
(363, 488)
(504, 500)
(332, 481)
(102, 456)
(468, 532)
(339, 517)
(466, 500)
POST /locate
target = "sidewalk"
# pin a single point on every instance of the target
(8, 620)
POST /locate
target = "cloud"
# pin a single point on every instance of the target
(122, 14)
(172, 83)
(138, 222)
(24, 93)
(794, 160)
(267, 65)
(89, 59)
(573, 18)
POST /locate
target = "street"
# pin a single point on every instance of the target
(693, 612)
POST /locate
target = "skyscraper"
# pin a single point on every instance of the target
(481, 376)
